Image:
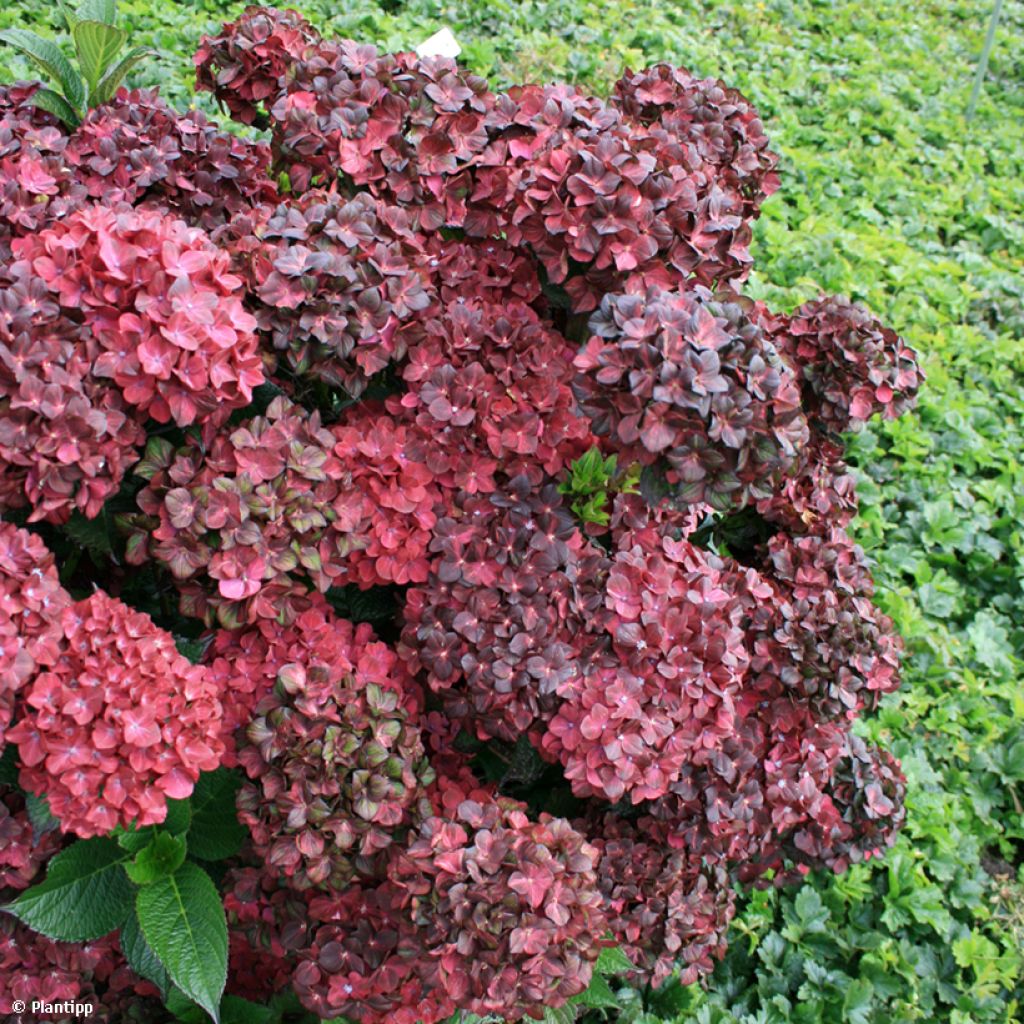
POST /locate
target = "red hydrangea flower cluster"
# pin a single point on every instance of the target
(508, 908)
(488, 384)
(66, 436)
(136, 150)
(661, 693)
(334, 753)
(501, 623)
(693, 381)
(824, 641)
(117, 724)
(390, 469)
(281, 500)
(34, 181)
(363, 958)
(35, 968)
(249, 63)
(31, 604)
(161, 302)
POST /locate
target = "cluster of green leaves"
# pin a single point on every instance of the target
(592, 482)
(889, 196)
(97, 42)
(150, 885)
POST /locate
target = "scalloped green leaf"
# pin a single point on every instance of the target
(85, 894)
(183, 922)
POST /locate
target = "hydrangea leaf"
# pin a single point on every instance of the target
(85, 895)
(183, 922)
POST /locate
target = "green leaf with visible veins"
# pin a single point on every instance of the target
(85, 895)
(142, 960)
(97, 45)
(183, 922)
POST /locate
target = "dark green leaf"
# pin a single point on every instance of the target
(215, 832)
(85, 894)
(142, 960)
(53, 103)
(108, 85)
(183, 922)
(9, 766)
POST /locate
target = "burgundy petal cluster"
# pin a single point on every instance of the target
(660, 692)
(66, 435)
(823, 641)
(684, 378)
(32, 602)
(852, 366)
(488, 385)
(253, 521)
(338, 284)
(23, 849)
(138, 151)
(665, 907)
(501, 623)
(507, 907)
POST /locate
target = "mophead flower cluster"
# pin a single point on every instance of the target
(353, 367)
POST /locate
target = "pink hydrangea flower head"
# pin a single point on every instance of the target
(118, 724)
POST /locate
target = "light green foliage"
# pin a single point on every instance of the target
(591, 483)
(97, 43)
(890, 197)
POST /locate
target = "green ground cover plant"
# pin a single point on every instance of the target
(893, 199)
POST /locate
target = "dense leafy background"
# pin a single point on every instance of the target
(891, 197)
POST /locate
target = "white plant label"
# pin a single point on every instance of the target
(440, 44)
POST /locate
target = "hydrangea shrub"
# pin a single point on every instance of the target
(408, 515)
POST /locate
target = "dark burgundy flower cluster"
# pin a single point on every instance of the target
(508, 908)
(673, 636)
(682, 377)
(501, 623)
(339, 283)
(34, 181)
(23, 849)
(363, 957)
(852, 365)
(67, 436)
(823, 641)
(665, 907)
(136, 150)
(660, 691)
